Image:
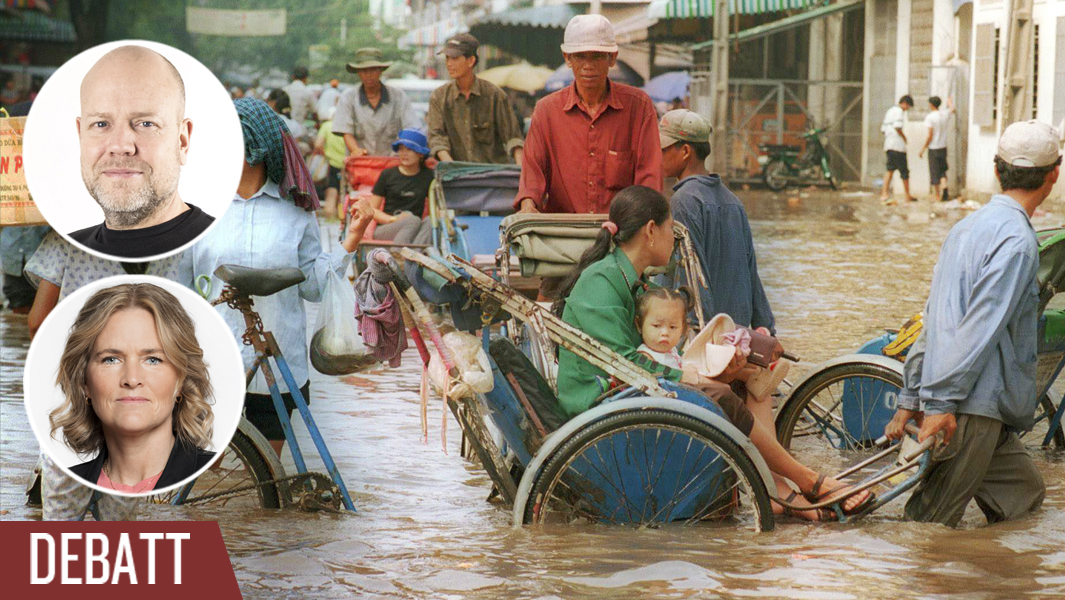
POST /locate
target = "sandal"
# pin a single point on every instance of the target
(814, 497)
(823, 514)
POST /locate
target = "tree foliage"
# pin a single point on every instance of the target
(309, 23)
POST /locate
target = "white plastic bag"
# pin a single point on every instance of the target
(318, 167)
(336, 346)
(475, 372)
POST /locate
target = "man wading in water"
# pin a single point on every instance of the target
(971, 373)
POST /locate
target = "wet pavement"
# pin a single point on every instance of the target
(838, 269)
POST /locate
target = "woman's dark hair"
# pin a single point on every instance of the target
(682, 294)
(631, 209)
(282, 104)
(1022, 178)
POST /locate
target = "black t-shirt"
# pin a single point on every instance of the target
(148, 241)
(402, 192)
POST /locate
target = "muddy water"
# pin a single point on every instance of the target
(838, 270)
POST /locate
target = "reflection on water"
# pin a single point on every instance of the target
(838, 271)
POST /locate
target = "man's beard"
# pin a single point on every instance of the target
(126, 208)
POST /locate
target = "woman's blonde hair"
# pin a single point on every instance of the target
(193, 418)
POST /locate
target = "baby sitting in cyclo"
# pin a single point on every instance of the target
(661, 318)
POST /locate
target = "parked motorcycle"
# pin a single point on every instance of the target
(784, 164)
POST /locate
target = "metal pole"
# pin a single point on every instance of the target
(719, 77)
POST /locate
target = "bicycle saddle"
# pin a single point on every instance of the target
(259, 282)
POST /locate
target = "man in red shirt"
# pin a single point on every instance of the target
(592, 139)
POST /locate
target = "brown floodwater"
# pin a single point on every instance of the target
(838, 268)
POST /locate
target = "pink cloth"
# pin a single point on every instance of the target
(741, 339)
(297, 183)
(140, 487)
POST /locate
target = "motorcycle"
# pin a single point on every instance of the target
(784, 164)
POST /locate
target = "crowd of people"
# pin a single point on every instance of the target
(598, 146)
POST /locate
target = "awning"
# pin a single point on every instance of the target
(788, 22)
(634, 29)
(32, 26)
(533, 33)
(704, 9)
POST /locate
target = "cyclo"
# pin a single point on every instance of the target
(650, 452)
(836, 412)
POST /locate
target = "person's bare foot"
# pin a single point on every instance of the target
(828, 488)
(912, 199)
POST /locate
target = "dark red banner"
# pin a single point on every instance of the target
(86, 560)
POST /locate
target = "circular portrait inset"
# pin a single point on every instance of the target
(133, 385)
(132, 150)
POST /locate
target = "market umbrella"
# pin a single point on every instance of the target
(522, 77)
(668, 86)
(621, 72)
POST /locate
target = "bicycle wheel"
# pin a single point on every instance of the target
(1043, 415)
(650, 467)
(838, 413)
(241, 466)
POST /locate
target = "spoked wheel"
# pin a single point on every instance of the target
(650, 467)
(234, 479)
(838, 414)
(1043, 415)
(775, 175)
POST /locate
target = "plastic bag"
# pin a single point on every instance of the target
(475, 372)
(336, 346)
(318, 167)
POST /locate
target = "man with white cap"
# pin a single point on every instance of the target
(971, 373)
(716, 222)
(590, 140)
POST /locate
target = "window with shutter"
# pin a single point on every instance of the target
(984, 75)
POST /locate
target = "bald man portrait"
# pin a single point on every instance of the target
(134, 139)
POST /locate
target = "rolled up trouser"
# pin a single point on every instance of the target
(734, 407)
(983, 461)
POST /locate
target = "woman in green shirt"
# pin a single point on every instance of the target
(599, 298)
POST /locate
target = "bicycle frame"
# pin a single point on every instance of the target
(266, 348)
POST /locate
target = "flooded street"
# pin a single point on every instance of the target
(838, 269)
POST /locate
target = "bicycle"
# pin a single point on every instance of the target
(248, 472)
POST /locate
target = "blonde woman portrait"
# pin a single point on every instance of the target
(137, 393)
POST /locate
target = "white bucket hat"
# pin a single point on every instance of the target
(708, 352)
(589, 33)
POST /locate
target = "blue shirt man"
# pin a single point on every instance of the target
(716, 222)
(971, 374)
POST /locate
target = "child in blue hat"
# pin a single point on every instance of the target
(400, 193)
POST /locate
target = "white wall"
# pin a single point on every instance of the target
(983, 141)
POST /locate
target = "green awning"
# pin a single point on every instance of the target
(533, 33)
(788, 22)
(32, 26)
(704, 9)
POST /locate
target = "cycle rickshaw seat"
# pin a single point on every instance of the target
(259, 282)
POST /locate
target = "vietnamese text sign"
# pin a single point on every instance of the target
(16, 205)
